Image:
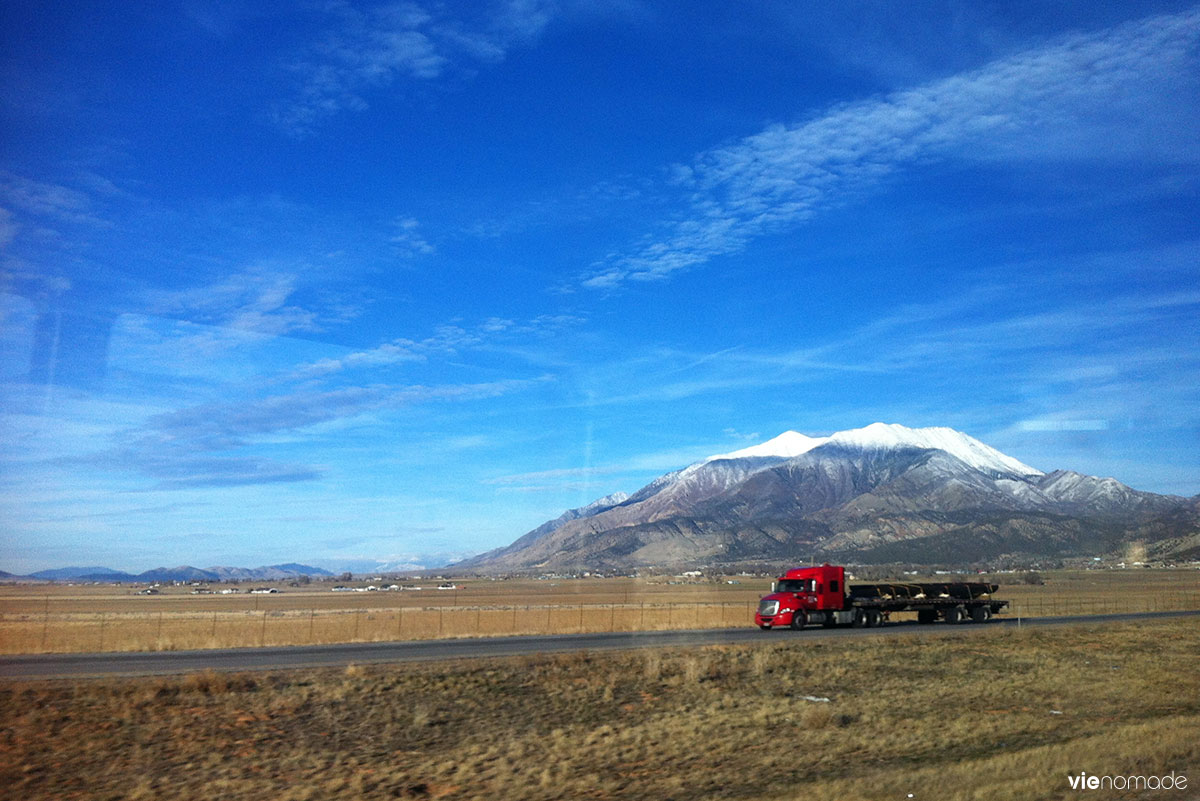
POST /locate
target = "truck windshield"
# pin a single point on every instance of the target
(794, 585)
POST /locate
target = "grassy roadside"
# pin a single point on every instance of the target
(1001, 714)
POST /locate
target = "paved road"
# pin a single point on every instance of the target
(52, 666)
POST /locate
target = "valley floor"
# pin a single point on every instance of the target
(64, 619)
(999, 714)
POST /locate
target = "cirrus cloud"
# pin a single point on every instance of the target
(1084, 96)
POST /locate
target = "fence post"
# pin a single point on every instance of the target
(103, 617)
(357, 615)
(312, 613)
(262, 635)
(158, 633)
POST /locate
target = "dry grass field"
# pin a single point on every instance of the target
(50, 619)
(1002, 714)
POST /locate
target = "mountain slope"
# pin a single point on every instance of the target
(873, 493)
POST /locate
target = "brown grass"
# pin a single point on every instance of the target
(997, 715)
(176, 630)
(73, 619)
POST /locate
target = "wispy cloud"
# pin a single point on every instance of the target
(258, 300)
(224, 424)
(534, 481)
(8, 228)
(446, 339)
(370, 50)
(55, 202)
(1051, 424)
(204, 445)
(1103, 356)
(48, 225)
(407, 240)
(387, 354)
(1081, 96)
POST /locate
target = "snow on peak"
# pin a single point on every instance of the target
(885, 436)
(787, 445)
(956, 443)
(608, 500)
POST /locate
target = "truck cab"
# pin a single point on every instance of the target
(803, 595)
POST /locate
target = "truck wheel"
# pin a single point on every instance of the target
(874, 618)
(860, 618)
(926, 616)
(799, 619)
(955, 614)
(981, 614)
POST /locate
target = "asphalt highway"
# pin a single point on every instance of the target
(60, 666)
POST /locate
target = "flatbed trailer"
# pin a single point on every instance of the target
(820, 595)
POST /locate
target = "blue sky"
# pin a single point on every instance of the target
(344, 282)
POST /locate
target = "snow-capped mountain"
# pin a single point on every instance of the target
(882, 492)
(787, 445)
(881, 436)
(884, 436)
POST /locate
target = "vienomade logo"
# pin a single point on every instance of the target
(1085, 782)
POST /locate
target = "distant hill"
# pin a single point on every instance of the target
(270, 572)
(181, 573)
(884, 493)
(68, 573)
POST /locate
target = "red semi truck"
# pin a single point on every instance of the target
(806, 595)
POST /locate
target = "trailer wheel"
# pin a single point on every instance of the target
(874, 618)
(955, 614)
(860, 618)
(799, 619)
(981, 614)
(926, 616)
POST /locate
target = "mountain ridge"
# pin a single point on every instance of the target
(862, 494)
(179, 573)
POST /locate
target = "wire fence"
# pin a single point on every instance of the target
(1065, 606)
(134, 631)
(168, 630)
